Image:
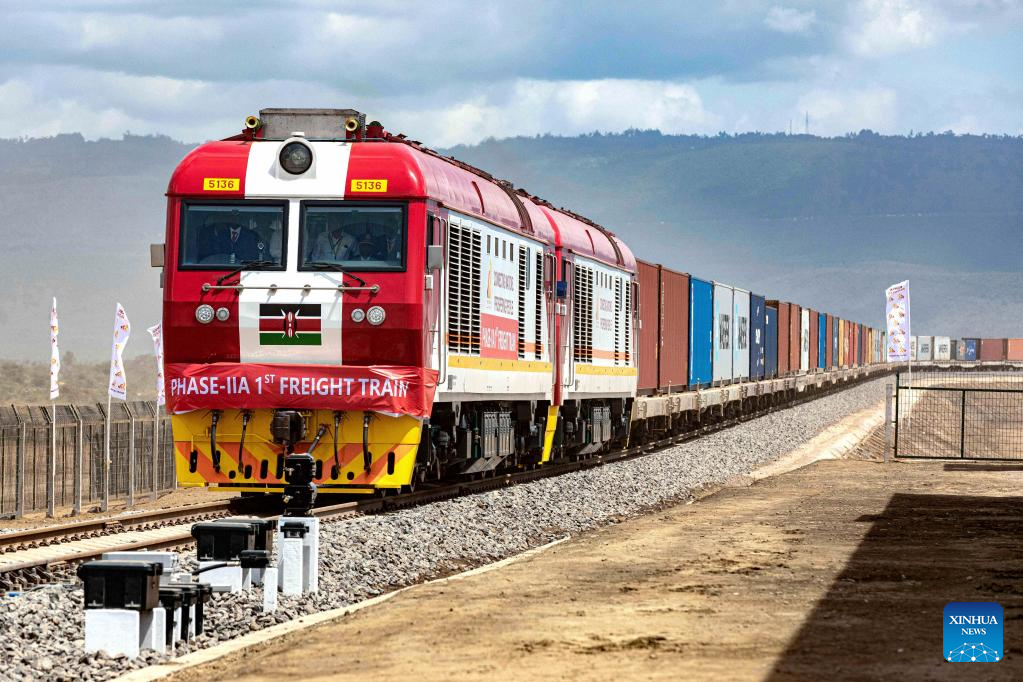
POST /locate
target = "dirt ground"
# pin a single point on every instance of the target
(839, 570)
(62, 515)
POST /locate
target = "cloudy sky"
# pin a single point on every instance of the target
(449, 71)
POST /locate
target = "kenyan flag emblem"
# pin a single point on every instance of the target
(289, 324)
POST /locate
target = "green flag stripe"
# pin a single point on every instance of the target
(300, 339)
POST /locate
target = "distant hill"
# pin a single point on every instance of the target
(827, 222)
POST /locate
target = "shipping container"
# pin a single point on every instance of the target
(992, 350)
(740, 334)
(673, 365)
(814, 340)
(829, 351)
(822, 340)
(923, 349)
(723, 332)
(770, 340)
(941, 348)
(701, 332)
(843, 343)
(971, 350)
(836, 343)
(649, 337)
(795, 337)
(804, 340)
(785, 339)
(855, 341)
(1014, 349)
(958, 349)
(757, 368)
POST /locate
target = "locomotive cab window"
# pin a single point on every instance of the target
(358, 238)
(218, 236)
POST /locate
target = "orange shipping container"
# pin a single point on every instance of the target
(795, 336)
(1015, 349)
(649, 341)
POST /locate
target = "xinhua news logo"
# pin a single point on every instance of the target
(972, 632)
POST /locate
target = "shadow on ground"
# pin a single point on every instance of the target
(882, 617)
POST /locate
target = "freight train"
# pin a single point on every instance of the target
(334, 289)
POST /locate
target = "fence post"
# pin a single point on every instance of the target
(51, 462)
(131, 456)
(105, 504)
(895, 447)
(79, 459)
(19, 468)
(887, 421)
(156, 449)
(962, 427)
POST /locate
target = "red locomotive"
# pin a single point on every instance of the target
(334, 289)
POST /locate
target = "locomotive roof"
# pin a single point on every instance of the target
(414, 172)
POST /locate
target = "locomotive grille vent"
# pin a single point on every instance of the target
(538, 316)
(582, 315)
(465, 255)
(618, 320)
(523, 282)
(627, 314)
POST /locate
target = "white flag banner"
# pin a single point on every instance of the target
(897, 316)
(54, 353)
(156, 331)
(122, 330)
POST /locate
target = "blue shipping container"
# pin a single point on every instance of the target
(835, 356)
(701, 332)
(971, 349)
(822, 340)
(770, 342)
(756, 335)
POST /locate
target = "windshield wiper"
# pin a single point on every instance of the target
(247, 265)
(324, 265)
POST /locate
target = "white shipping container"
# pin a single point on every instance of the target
(923, 348)
(942, 348)
(804, 341)
(723, 334)
(740, 339)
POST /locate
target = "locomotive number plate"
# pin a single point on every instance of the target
(363, 185)
(221, 184)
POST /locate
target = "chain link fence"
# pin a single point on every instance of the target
(958, 415)
(46, 464)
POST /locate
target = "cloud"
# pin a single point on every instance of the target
(885, 27)
(528, 106)
(835, 111)
(789, 20)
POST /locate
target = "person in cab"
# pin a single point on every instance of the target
(335, 244)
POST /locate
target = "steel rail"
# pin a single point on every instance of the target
(107, 525)
(19, 574)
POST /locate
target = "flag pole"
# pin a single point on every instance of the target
(106, 459)
(51, 465)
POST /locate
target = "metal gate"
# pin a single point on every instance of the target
(959, 415)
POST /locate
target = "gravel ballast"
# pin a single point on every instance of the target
(42, 631)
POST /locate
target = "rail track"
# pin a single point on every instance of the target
(48, 554)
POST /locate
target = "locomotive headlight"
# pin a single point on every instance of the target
(358, 314)
(204, 313)
(223, 314)
(296, 158)
(376, 315)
